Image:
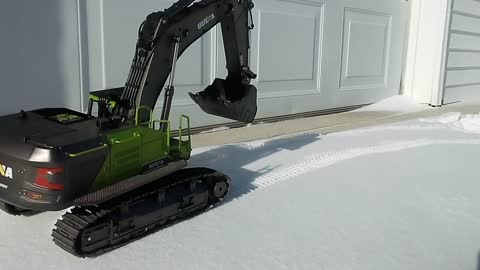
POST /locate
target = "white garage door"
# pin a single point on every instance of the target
(463, 54)
(309, 55)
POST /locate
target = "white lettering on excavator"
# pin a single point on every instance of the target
(206, 21)
(6, 171)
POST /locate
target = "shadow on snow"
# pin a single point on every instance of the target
(232, 160)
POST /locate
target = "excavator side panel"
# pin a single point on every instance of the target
(141, 149)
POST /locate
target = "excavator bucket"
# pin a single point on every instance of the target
(232, 101)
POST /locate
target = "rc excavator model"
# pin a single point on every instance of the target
(120, 170)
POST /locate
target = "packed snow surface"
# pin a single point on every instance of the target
(400, 104)
(223, 128)
(401, 196)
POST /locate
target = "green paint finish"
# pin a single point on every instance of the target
(126, 154)
(133, 148)
(74, 155)
(65, 118)
(154, 144)
(111, 103)
(103, 177)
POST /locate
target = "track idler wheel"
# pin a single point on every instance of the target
(218, 189)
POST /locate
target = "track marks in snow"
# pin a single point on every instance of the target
(467, 123)
(411, 127)
(324, 160)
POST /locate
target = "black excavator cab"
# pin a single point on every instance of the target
(229, 100)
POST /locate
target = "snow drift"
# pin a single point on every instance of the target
(402, 196)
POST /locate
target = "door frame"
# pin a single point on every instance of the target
(424, 75)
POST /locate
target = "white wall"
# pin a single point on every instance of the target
(39, 63)
(462, 73)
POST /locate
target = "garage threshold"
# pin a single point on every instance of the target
(321, 124)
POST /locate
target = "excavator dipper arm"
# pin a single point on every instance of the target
(165, 35)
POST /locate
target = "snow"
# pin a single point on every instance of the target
(446, 118)
(469, 123)
(398, 103)
(465, 123)
(400, 196)
(222, 128)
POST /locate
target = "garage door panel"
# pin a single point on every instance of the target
(288, 60)
(309, 54)
(190, 66)
(365, 96)
(286, 51)
(193, 72)
(118, 38)
(119, 28)
(366, 46)
(275, 64)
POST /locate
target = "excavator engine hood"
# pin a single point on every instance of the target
(232, 101)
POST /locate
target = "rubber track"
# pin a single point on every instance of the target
(70, 227)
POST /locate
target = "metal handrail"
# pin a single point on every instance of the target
(135, 135)
(74, 155)
(150, 120)
(168, 129)
(180, 130)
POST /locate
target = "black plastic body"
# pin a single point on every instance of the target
(31, 141)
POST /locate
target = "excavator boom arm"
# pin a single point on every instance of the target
(165, 35)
